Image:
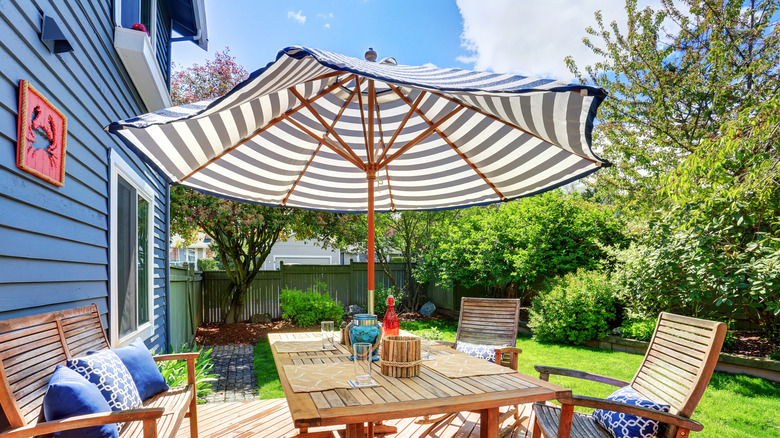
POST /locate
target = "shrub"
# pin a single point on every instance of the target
(639, 329)
(175, 371)
(775, 355)
(310, 307)
(209, 265)
(380, 300)
(576, 308)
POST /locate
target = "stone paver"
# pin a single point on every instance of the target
(236, 372)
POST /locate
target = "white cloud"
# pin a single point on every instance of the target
(534, 36)
(327, 25)
(325, 16)
(297, 16)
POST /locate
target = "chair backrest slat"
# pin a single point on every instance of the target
(30, 349)
(679, 362)
(488, 321)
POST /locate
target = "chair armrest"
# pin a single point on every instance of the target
(513, 351)
(611, 405)
(545, 371)
(79, 421)
(189, 357)
(176, 356)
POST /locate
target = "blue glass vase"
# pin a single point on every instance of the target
(366, 328)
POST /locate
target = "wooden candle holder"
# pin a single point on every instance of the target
(400, 356)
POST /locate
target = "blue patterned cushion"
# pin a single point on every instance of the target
(106, 371)
(622, 425)
(487, 352)
(70, 394)
(140, 364)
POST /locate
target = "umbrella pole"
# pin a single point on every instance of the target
(371, 176)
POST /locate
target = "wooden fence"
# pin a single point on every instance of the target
(185, 302)
(347, 284)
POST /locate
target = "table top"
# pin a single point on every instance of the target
(427, 394)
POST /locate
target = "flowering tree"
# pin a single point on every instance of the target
(243, 233)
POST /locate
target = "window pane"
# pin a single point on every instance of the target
(126, 257)
(131, 13)
(143, 261)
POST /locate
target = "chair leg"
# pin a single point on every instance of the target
(447, 419)
(194, 417)
(537, 430)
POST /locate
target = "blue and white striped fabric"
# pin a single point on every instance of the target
(486, 137)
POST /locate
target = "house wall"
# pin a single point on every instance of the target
(303, 252)
(54, 250)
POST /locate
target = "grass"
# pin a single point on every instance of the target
(268, 385)
(734, 406)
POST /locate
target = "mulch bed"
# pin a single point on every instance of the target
(250, 333)
(241, 332)
(750, 343)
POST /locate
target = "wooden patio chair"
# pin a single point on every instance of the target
(676, 370)
(493, 322)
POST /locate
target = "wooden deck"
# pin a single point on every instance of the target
(271, 419)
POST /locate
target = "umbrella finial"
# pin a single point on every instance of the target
(371, 54)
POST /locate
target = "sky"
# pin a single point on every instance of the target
(527, 37)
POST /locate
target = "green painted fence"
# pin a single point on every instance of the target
(345, 283)
(185, 302)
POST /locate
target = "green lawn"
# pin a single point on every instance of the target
(268, 385)
(734, 406)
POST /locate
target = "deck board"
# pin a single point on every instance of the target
(271, 419)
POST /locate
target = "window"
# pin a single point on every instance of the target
(132, 253)
(129, 12)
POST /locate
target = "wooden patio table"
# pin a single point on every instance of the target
(428, 394)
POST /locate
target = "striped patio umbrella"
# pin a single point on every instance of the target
(323, 131)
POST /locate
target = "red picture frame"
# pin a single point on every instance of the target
(41, 137)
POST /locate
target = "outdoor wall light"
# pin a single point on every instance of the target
(52, 36)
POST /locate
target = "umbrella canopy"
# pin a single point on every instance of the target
(324, 131)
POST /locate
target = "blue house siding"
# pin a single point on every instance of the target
(54, 242)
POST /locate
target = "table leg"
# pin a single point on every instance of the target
(488, 423)
(564, 424)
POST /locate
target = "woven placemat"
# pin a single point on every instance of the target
(320, 377)
(463, 365)
(299, 346)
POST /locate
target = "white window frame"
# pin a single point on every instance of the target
(152, 26)
(119, 167)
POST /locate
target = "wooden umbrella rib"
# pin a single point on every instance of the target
(329, 128)
(330, 145)
(451, 144)
(389, 189)
(379, 127)
(423, 135)
(511, 125)
(319, 146)
(269, 125)
(371, 99)
(363, 119)
(300, 175)
(401, 127)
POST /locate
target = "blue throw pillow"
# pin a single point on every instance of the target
(487, 352)
(106, 371)
(622, 425)
(70, 394)
(139, 362)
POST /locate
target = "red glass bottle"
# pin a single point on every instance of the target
(390, 323)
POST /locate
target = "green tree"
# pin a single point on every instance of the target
(720, 244)
(512, 248)
(674, 76)
(406, 234)
(243, 233)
